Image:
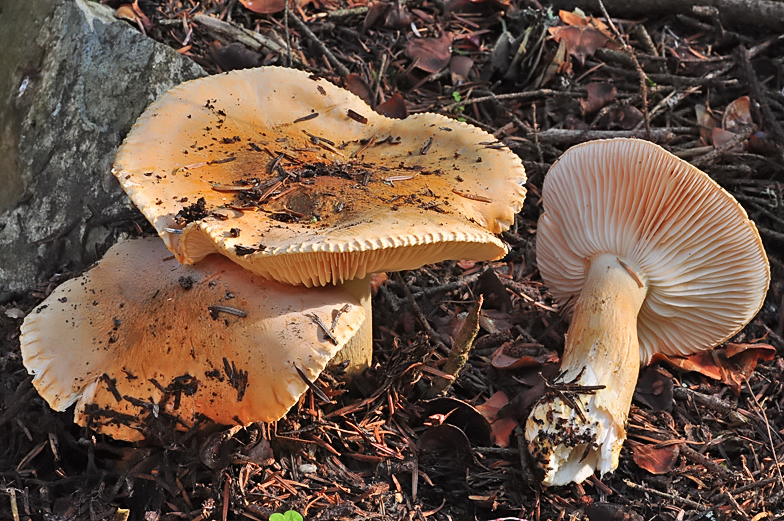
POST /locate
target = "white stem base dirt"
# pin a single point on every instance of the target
(601, 349)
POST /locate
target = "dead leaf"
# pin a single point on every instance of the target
(462, 415)
(376, 281)
(655, 460)
(501, 427)
(581, 41)
(599, 94)
(731, 365)
(720, 137)
(625, 117)
(433, 53)
(375, 12)
(572, 18)
(459, 68)
(737, 116)
(654, 389)
(706, 121)
(490, 408)
(394, 107)
(355, 84)
(558, 63)
(272, 6)
(398, 18)
(502, 431)
(514, 355)
(235, 56)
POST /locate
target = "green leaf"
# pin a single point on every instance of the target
(290, 515)
(456, 95)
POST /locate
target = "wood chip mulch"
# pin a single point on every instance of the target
(540, 81)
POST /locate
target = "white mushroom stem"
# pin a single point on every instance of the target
(359, 349)
(601, 349)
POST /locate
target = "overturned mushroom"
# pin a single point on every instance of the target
(140, 340)
(301, 182)
(650, 255)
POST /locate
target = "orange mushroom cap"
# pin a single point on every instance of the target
(140, 336)
(300, 181)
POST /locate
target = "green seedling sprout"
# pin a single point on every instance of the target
(289, 515)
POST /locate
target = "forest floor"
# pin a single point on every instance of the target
(705, 434)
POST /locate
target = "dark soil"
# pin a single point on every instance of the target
(379, 449)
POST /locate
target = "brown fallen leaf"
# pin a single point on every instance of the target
(599, 94)
(459, 68)
(514, 355)
(578, 19)
(737, 116)
(355, 84)
(654, 389)
(706, 121)
(235, 56)
(501, 428)
(433, 53)
(581, 41)
(490, 408)
(394, 107)
(272, 6)
(656, 460)
(376, 281)
(502, 431)
(730, 365)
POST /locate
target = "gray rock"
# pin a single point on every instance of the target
(72, 86)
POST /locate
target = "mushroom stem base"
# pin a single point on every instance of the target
(576, 428)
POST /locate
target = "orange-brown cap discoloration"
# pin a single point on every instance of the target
(297, 188)
(140, 334)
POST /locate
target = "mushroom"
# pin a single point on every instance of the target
(651, 256)
(300, 181)
(140, 342)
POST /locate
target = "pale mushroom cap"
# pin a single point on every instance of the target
(356, 192)
(131, 318)
(702, 257)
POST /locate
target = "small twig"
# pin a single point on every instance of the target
(461, 347)
(313, 387)
(315, 318)
(561, 136)
(776, 462)
(214, 310)
(723, 149)
(288, 34)
(342, 70)
(642, 76)
(671, 497)
(522, 96)
(434, 336)
(253, 40)
(759, 96)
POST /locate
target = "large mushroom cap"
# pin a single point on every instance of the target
(300, 181)
(141, 336)
(703, 258)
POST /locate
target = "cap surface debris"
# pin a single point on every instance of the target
(300, 181)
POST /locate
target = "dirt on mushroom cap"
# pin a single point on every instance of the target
(287, 163)
(142, 343)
